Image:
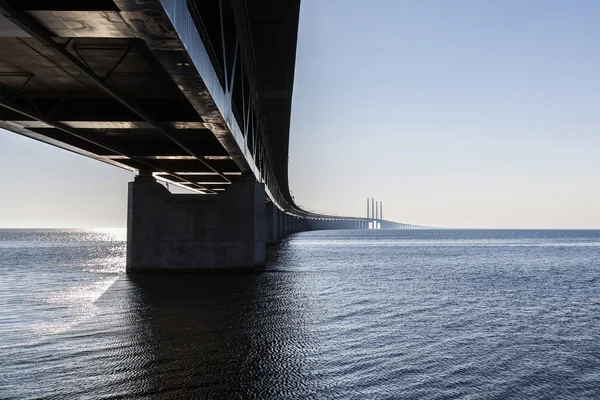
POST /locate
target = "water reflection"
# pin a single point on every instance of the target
(220, 335)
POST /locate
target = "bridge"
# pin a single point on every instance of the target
(194, 93)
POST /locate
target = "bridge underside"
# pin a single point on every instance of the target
(119, 81)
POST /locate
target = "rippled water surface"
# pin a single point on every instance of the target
(337, 314)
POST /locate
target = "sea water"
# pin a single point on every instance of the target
(349, 314)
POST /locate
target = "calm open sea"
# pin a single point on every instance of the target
(337, 314)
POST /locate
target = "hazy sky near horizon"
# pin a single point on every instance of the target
(463, 113)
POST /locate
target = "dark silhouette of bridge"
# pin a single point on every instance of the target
(195, 93)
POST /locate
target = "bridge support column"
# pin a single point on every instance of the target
(271, 223)
(283, 224)
(287, 224)
(193, 232)
(280, 223)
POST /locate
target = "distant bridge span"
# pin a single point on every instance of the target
(196, 93)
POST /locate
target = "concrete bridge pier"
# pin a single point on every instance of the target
(272, 215)
(279, 224)
(287, 223)
(168, 231)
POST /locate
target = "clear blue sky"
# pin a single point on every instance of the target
(454, 113)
